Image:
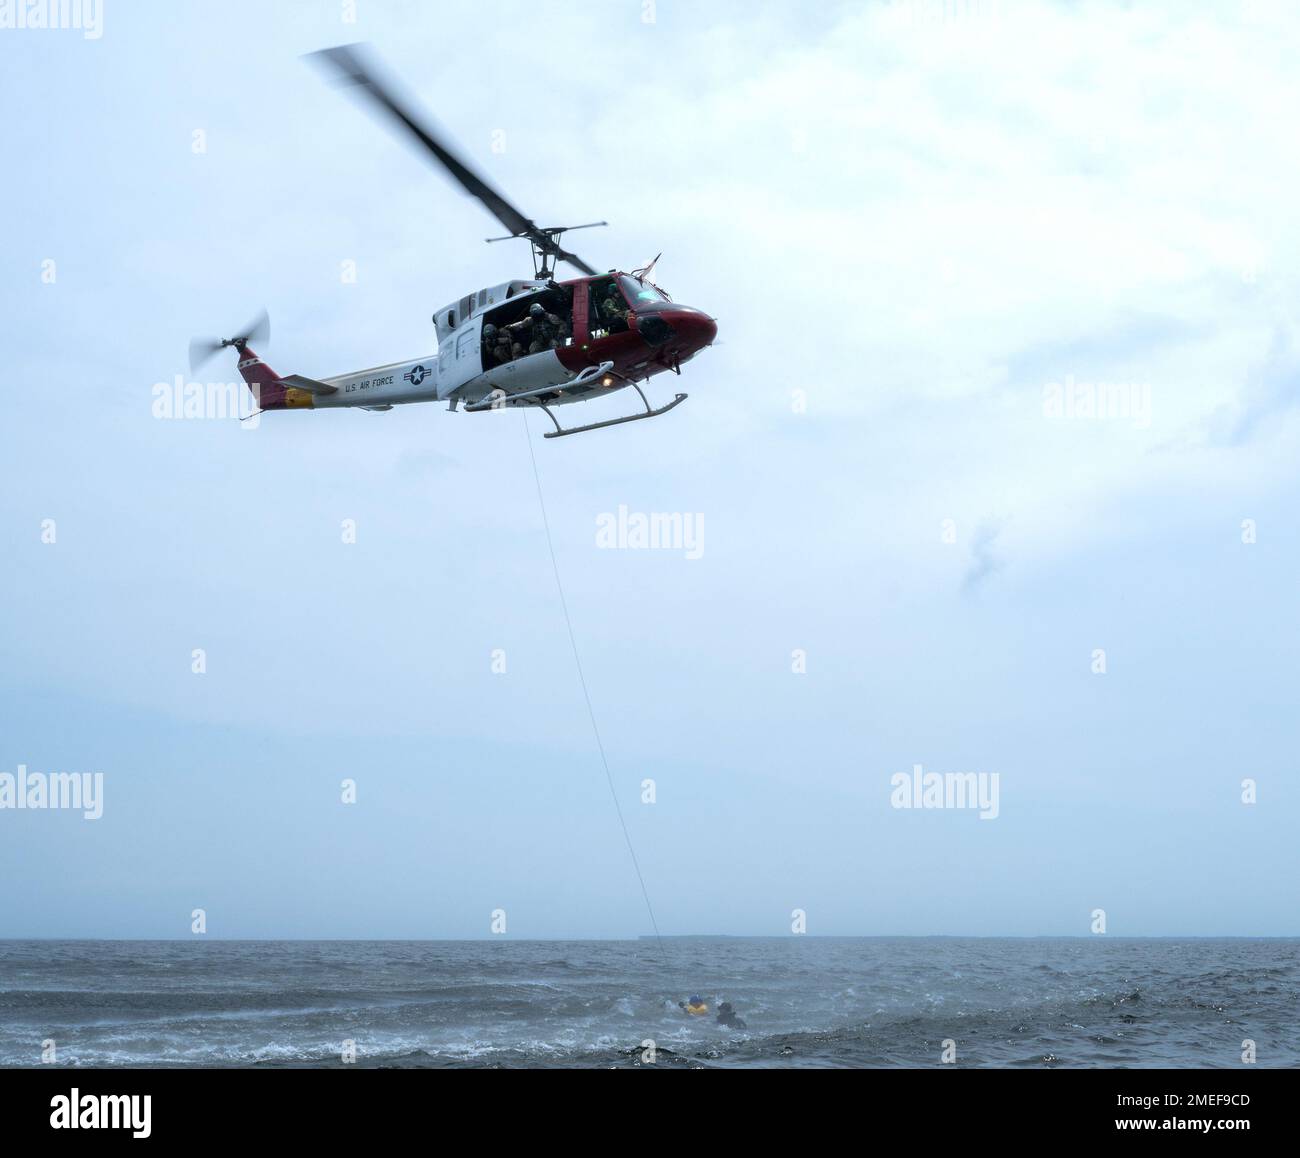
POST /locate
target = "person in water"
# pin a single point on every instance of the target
(727, 1016)
(696, 1006)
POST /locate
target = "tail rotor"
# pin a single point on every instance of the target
(202, 350)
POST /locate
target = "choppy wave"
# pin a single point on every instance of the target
(808, 1003)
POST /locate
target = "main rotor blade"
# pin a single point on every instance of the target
(349, 62)
(575, 261)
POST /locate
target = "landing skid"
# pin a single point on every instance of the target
(650, 412)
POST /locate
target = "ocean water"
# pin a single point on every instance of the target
(808, 1002)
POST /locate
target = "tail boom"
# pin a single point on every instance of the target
(269, 391)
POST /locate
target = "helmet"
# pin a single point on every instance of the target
(536, 310)
(489, 331)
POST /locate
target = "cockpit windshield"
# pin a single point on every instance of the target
(640, 293)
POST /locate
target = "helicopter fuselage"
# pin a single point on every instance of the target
(614, 330)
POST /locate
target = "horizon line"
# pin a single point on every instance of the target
(651, 937)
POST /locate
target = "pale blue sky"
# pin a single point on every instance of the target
(919, 222)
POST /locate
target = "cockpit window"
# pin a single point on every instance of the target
(640, 293)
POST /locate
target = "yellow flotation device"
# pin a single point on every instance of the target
(698, 1009)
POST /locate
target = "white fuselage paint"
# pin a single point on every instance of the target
(455, 371)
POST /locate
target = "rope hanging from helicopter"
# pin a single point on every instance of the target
(586, 695)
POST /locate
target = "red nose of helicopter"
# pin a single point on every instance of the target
(678, 330)
(694, 328)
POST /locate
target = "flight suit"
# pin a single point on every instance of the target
(546, 333)
(505, 350)
(614, 313)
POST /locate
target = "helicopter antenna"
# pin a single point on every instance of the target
(643, 274)
(545, 245)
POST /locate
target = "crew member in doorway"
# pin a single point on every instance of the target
(546, 329)
(534, 331)
(502, 349)
(613, 310)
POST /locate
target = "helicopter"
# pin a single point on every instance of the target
(531, 342)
